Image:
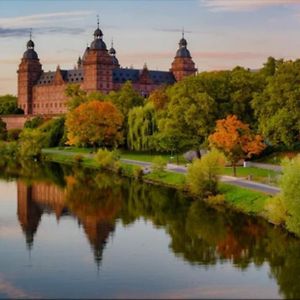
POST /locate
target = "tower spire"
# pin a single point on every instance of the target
(183, 32)
(98, 21)
(30, 34)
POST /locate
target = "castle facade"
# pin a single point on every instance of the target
(43, 93)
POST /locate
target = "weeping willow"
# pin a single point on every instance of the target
(141, 126)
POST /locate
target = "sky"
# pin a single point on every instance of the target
(221, 34)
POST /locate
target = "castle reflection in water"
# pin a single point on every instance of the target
(40, 198)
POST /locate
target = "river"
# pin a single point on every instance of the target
(76, 233)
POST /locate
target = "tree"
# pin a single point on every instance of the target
(273, 107)
(94, 123)
(188, 118)
(31, 143)
(202, 176)
(3, 130)
(141, 127)
(76, 96)
(235, 140)
(290, 183)
(9, 105)
(159, 98)
(126, 98)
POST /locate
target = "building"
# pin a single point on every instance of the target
(43, 93)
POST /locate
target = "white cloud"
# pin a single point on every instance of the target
(244, 5)
(42, 19)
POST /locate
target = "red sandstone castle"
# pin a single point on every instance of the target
(41, 93)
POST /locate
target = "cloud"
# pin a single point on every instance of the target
(16, 32)
(42, 19)
(244, 5)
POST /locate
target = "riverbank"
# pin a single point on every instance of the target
(238, 198)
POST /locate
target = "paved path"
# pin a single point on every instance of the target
(268, 189)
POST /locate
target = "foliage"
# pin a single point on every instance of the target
(78, 158)
(274, 105)
(158, 165)
(138, 172)
(202, 176)
(126, 98)
(34, 122)
(159, 98)
(290, 183)
(275, 211)
(31, 143)
(8, 105)
(3, 130)
(13, 134)
(188, 117)
(141, 127)
(107, 159)
(53, 131)
(76, 96)
(236, 140)
(94, 123)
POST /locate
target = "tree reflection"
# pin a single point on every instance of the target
(200, 235)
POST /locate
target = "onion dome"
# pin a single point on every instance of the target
(112, 51)
(183, 51)
(98, 33)
(30, 53)
(98, 43)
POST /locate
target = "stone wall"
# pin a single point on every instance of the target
(15, 121)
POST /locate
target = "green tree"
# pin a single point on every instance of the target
(274, 105)
(290, 183)
(202, 176)
(75, 95)
(9, 105)
(31, 143)
(141, 127)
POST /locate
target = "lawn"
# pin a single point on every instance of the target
(168, 178)
(244, 199)
(256, 174)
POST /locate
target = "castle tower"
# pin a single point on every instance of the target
(29, 72)
(183, 64)
(112, 52)
(97, 65)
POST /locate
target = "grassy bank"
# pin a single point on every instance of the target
(242, 199)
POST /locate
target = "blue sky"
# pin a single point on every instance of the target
(221, 33)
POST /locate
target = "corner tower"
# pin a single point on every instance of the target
(183, 64)
(29, 72)
(97, 65)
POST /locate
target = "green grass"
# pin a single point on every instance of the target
(168, 178)
(148, 157)
(243, 199)
(257, 174)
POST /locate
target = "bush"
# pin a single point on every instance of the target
(274, 210)
(3, 130)
(54, 131)
(13, 134)
(158, 165)
(137, 172)
(216, 200)
(290, 183)
(31, 141)
(107, 159)
(34, 122)
(202, 176)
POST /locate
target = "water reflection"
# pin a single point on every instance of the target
(199, 235)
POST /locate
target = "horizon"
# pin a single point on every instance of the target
(221, 34)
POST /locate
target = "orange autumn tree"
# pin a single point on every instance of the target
(236, 140)
(95, 124)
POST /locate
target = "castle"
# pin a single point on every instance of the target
(43, 93)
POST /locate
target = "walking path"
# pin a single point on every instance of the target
(268, 189)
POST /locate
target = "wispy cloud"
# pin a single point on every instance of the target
(42, 19)
(244, 5)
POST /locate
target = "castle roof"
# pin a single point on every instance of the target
(121, 75)
(69, 76)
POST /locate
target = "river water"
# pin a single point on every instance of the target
(75, 233)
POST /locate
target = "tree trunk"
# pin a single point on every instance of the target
(234, 169)
(198, 153)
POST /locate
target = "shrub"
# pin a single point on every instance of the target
(202, 176)
(158, 165)
(107, 159)
(31, 141)
(275, 211)
(54, 131)
(290, 183)
(216, 200)
(13, 134)
(137, 172)
(34, 122)
(3, 130)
